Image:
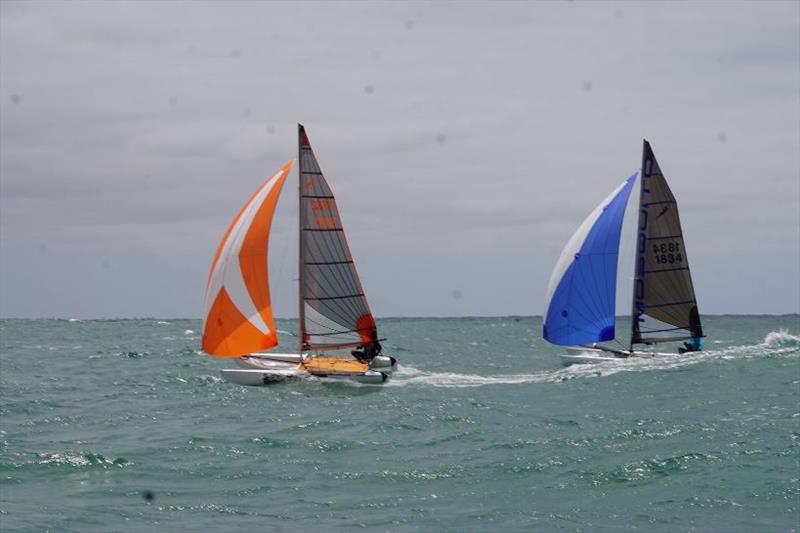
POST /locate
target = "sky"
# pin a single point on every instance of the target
(465, 143)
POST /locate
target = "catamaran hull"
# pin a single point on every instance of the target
(251, 376)
(241, 376)
(584, 356)
(382, 363)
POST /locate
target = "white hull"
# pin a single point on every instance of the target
(583, 356)
(266, 360)
(251, 376)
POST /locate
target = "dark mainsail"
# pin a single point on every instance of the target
(334, 312)
(662, 287)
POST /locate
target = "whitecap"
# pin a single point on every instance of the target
(781, 339)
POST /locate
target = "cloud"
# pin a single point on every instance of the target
(488, 131)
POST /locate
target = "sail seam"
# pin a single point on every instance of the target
(662, 330)
(350, 310)
(332, 331)
(340, 315)
(668, 304)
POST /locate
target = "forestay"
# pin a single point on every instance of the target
(581, 295)
(333, 309)
(662, 288)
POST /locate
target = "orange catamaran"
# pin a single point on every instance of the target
(334, 316)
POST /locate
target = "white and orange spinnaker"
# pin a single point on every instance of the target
(238, 316)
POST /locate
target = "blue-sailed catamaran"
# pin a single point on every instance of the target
(580, 299)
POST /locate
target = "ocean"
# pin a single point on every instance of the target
(124, 425)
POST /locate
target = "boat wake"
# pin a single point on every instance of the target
(408, 375)
(776, 344)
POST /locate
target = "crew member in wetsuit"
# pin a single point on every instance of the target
(369, 351)
(695, 344)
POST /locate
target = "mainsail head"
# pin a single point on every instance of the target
(581, 295)
(334, 312)
(238, 316)
(662, 288)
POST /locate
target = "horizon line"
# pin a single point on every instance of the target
(794, 313)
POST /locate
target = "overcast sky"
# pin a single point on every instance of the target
(465, 143)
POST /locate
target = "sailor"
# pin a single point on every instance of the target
(695, 344)
(369, 351)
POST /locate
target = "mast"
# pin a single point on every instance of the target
(641, 240)
(301, 334)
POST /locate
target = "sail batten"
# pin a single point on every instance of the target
(664, 270)
(662, 287)
(342, 297)
(334, 312)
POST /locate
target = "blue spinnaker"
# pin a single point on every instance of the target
(581, 303)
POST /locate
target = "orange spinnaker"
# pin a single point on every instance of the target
(238, 317)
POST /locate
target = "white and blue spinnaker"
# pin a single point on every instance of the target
(581, 295)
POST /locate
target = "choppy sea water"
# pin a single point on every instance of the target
(124, 425)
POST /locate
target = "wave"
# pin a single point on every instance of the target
(72, 459)
(653, 469)
(781, 339)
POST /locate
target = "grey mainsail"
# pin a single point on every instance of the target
(662, 287)
(334, 312)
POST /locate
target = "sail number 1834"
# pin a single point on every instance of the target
(668, 253)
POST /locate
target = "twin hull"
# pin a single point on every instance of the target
(264, 368)
(251, 376)
(581, 356)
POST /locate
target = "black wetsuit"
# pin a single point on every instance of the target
(370, 352)
(694, 345)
